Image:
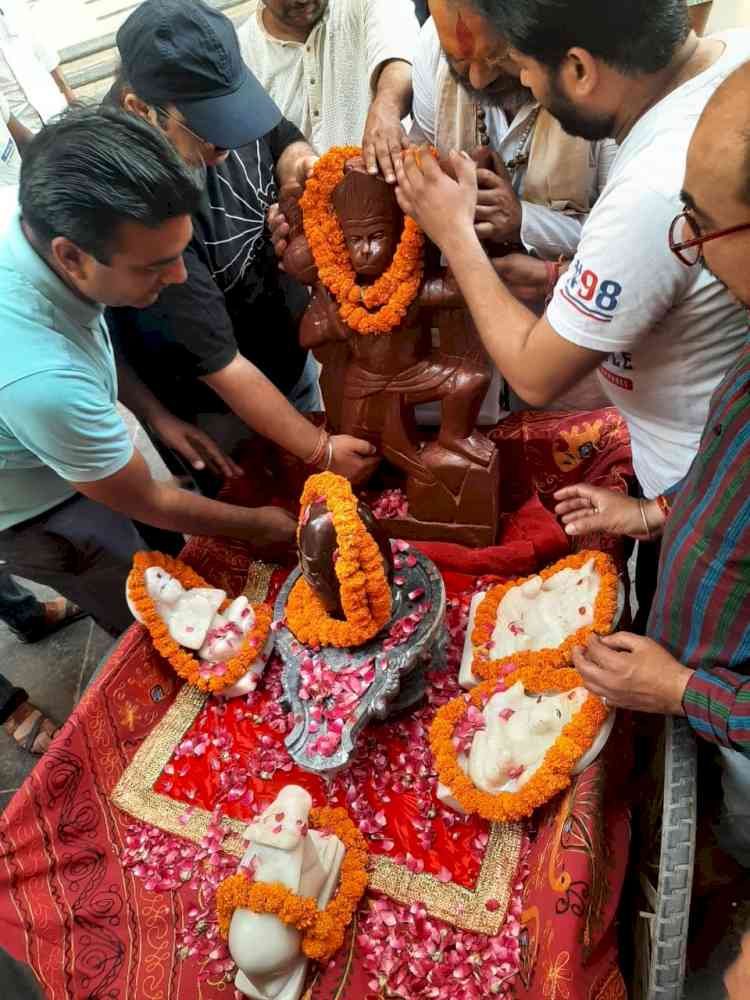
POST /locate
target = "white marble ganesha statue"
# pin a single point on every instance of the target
(194, 621)
(282, 849)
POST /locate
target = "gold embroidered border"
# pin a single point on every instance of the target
(453, 903)
(464, 908)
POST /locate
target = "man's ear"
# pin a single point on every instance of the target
(70, 258)
(579, 73)
(135, 106)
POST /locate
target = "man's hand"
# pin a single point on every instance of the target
(196, 447)
(384, 139)
(274, 534)
(304, 167)
(631, 671)
(583, 509)
(353, 458)
(499, 215)
(442, 207)
(279, 228)
(526, 277)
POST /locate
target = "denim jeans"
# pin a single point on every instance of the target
(734, 826)
(305, 396)
(18, 607)
(81, 549)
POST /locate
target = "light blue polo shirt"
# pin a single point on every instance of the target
(59, 422)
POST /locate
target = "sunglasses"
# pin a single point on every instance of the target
(184, 127)
(686, 240)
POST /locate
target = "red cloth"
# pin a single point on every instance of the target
(90, 929)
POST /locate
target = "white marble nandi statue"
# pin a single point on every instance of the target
(519, 729)
(268, 952)
(195, 622)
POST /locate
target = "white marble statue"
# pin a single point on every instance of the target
(537, 614)
(268, 952)
(518, 731)
(195, 622)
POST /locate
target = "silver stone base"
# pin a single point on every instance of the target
(399, 682)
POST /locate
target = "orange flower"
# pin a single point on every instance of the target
(380, 307)
(184, 663)
(323, 930)
(365, 594)
(605, 608)
(554, 773)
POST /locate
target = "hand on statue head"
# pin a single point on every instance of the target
(353, 458)
(383, 140)
(584, 509)
(444, 208)
(499, 215)
(633, 672)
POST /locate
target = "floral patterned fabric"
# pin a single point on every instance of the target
(108, 909)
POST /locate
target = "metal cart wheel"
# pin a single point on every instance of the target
(662, 932)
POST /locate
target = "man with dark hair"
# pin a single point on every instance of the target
(105, 219)
(696, 661)
(221, 349)
(661, 336)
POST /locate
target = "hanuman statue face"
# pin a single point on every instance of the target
(370, 219)
(371, 244)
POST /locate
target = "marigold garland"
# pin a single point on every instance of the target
(365, 595)
(323, 930)
(377, 308)
(554, 773)
(605, 608)
(184, 663)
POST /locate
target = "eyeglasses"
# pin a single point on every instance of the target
(690, 250)
(184, 127)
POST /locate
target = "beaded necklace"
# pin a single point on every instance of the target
(521, 157)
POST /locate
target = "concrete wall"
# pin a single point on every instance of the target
(729, 14)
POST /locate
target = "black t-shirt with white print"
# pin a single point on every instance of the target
(235, 297)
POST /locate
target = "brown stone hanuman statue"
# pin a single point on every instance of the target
(372, 381)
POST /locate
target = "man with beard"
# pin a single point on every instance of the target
(661, 335)
(542, 182)
(340, 70)
(696, 660)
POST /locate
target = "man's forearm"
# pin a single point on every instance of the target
(258, 402)
(504, 324)
(394, 86)
(133, 492)
(166, 506)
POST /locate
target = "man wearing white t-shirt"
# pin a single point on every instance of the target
(661, 336)
(30, 76)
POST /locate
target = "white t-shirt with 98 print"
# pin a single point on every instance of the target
(670, 331)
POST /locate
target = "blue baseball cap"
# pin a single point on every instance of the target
(186, 53)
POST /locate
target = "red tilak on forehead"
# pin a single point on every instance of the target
(465, 38)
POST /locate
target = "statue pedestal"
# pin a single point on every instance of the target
(396, 684)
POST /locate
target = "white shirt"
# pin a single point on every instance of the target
(671, 331)
(546, 233)
(325, 85)
(10, 158)
(26, 62)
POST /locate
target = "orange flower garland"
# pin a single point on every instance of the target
(365, 594)
(554, 773)
(392, 294)
(605, 608)
(185, 664)
(323, 930)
